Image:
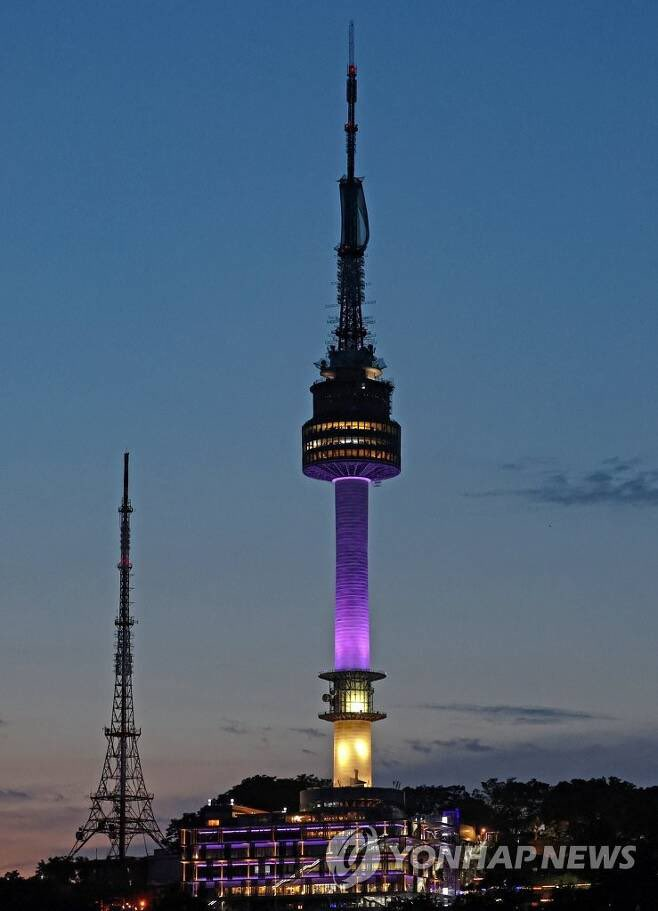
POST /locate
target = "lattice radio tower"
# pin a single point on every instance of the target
(121, 807)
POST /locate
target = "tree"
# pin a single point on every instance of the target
(421, 901)
(264, 792)
(596, 810)
(267, 792)
(434, 798)
(516, 805)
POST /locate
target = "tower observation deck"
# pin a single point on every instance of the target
(351, 441)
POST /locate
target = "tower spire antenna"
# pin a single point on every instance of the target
(126, 457)
(354, 235)
(351, 127)
(121, 807)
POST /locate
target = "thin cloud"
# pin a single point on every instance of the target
(234, 727)
(463, 744)
(238, 729)
(518, 714)
(528, 462)
(307, 732)
(615, 482)
(552, 758)
(11, 794)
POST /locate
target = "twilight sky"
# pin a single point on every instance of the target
(169, 207)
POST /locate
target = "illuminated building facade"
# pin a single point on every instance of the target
(351, 441)
(229, 851)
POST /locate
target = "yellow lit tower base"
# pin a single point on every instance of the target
(351, 712)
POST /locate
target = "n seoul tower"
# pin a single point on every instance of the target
(352, 442)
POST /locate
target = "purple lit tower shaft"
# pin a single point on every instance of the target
(352, 620)
(352, 675)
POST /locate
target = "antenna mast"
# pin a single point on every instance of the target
(121, 807)
(350, 127)
(355, 232)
